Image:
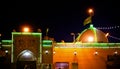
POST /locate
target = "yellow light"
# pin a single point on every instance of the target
(26, 29)
(90, 10)
(107, 35)
(75, 53)
(54, 52)
(96, 53)
(90, 39)
(115, 52)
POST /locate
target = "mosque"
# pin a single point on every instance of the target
(90, 50)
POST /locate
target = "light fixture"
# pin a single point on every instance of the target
(95, 53)
(26, 29)
(90, 39)
(75, 53)
(46, 52)
(6, 51)
(90, 11)
(115, 52)
(107, 34)
(54, 52)
(27, 53)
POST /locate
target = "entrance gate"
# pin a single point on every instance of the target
(26, 60)
(26, 50)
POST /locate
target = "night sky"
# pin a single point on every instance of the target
(61, 16)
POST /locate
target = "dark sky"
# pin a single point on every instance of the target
(61, 16)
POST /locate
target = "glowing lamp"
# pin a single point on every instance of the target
(26, 29)
(115, 52)
(54, 52)
(46, 52)
(27, 54)
(75, 53)
(6, 51)
(107, 35)
(90, 11)
(90, 39)
(96, 53)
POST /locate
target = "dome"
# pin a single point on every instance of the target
(92, 34)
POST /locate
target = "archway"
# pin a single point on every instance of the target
(26, 60)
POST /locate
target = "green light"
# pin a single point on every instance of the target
(44, 41)
(91, 26)
(88, 45)
(94, 30)
(26, 33)
(47, 43)
(6, 42)
(10, 41)
(80, 34)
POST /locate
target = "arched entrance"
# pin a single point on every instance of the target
(26, 60)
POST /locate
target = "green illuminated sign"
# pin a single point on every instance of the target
(47, 43)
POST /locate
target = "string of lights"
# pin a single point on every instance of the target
(114, 37)
(107, 28)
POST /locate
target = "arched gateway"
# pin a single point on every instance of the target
(26, 60)
(26, 49)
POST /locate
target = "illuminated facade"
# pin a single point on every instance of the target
(90, 50)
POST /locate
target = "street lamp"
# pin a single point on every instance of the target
(73, 34)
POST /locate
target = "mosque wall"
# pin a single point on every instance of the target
(85, 58)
